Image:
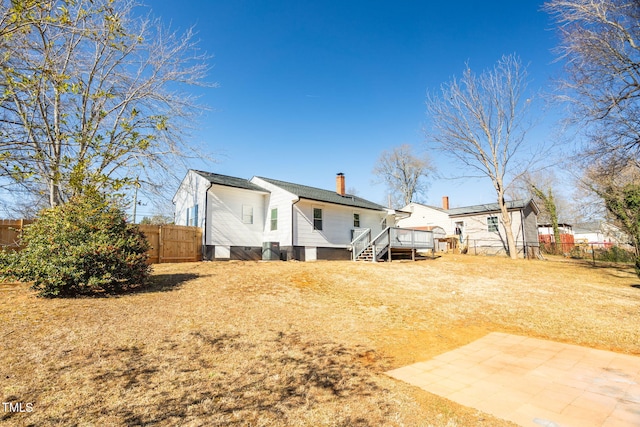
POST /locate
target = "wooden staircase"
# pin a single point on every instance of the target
(367, 254)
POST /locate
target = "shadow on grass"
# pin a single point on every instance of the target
(618, 267)
(156, 283)
(162, 283)
(635, 286)
(218, 378)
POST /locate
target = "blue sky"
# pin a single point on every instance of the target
(309, 89)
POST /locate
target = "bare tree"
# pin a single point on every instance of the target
(600, 46)
(404, 173)
(479, 120)
(91, 95)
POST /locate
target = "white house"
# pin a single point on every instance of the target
(600, 233)
(479, 227)
(264, 218)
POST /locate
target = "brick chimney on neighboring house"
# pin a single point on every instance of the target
(445, 203)
(340, 185)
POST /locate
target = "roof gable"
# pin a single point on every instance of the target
(320, 195)
(229, 181)
(420, 205)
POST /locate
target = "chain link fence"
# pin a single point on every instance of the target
(497, 247)
(604, 252)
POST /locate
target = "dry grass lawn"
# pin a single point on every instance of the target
(304, 344)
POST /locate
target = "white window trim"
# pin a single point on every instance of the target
(359, 220)
(245, 215)
(313, 218)
(271, 228)
(489, 225)
(192, 216)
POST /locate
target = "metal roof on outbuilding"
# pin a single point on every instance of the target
(490, 207)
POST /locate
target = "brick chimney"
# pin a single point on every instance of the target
(445, 203)
(340, 184)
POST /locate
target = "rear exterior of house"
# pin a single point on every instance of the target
(317, 224)
(231, 211)
(263, 218)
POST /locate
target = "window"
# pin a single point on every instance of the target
(356, 220)
(192, 216)
(317, 219)
(384, 224)
(492, 224)
(247, 214)
(274, 219)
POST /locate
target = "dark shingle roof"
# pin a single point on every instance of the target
(321, 195)
(488, 207)
(229, 181)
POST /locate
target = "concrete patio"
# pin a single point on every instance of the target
(534, 382)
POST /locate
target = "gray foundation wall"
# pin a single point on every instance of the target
(287, 253)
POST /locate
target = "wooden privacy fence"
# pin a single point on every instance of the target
(169, 243)
(10, 232)
(173, 243)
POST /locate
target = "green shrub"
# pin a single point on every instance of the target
(82, 247)
(576, 252)
(615, 254)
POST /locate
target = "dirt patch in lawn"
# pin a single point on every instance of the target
(257, 343)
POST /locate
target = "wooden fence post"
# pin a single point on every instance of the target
(195, 244)
(160, 245)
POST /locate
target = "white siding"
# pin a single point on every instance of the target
(191, 192)
(424, 216)
(549, 230)
(337, 224)
(225, 224)
(281, 200)
(593, 237)
(477, 235)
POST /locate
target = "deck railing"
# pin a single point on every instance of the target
(391, 237)
(415, 239)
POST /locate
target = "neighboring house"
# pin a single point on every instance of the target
(600, 233)
(479, 227)
(264, 218)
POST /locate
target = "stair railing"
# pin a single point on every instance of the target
(360, 242)
(381, 241)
